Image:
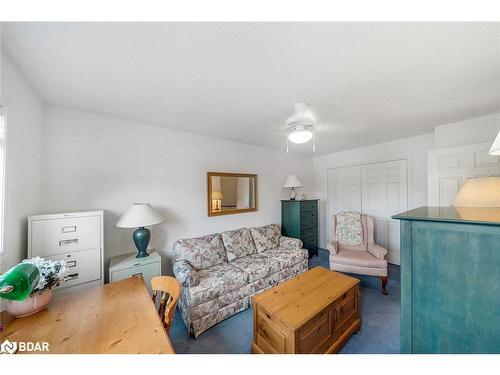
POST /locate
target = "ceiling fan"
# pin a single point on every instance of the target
(301, 125)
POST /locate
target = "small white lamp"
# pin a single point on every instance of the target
(140, 215)
(495, 147)
(217, 199)
(291, 183)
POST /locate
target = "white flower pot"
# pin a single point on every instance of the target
(30, 305)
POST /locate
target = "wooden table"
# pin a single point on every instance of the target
(315, 312)
(117, 318)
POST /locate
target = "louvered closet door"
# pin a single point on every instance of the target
(385, 193)
(379, 190)
(344, 193)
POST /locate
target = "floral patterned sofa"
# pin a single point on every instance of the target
(220, 272)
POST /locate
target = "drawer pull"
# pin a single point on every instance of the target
(68, 242)
(69, 229)
(73, 276)
(71, 263)
(137, 274)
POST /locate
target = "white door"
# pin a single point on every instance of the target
(385, 193)
(449, 167)
(379, 190)
(344, 193)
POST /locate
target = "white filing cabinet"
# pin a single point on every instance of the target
(127, 265)
(76, 238)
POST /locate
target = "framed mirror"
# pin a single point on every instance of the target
(231, 193)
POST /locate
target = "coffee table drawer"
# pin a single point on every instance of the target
(316, 336)
(270, 333)
(343, 311)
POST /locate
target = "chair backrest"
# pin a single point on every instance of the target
(368, 233)
(169, 290)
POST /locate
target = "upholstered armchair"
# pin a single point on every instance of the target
(357, 253)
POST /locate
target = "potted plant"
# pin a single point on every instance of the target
(52, 273)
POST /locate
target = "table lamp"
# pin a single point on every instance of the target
(291, 183)
(217, 199)
(140, 215)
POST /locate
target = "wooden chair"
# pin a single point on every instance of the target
(169, 290)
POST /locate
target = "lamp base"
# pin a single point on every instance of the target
(141, 237)
(293, 194)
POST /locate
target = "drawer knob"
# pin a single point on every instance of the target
(71, 263)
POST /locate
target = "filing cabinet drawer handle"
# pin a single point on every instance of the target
(72, 276)
(71, 263)
(137, 274)
(73, 241)
(69, 229)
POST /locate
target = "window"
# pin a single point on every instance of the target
(2, 175)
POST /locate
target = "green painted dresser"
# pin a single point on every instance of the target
(299, 219)
(450, 280)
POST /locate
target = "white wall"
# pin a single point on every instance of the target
(414, 148)
(24, 159)
(94, 161)
(476, 130)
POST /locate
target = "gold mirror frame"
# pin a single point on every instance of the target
(211, 212)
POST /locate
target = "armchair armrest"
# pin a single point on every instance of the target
(185, 273)
(376, 250)
(333, 247)
(290, 243)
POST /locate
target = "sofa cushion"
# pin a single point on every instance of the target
(257, 266)
(215, 281)
(357, 258)
(202, 252)
(238, 243)
(290, 243)
(266, 237)
(287, 257)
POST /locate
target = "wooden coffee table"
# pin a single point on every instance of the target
(315, 312)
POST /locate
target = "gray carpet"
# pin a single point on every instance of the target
(379, 329)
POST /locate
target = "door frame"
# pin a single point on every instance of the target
(409, 182)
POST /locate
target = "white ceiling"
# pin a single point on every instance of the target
(367, 82)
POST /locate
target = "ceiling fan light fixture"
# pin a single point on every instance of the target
(300, 134)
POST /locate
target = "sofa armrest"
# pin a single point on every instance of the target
(333, 247)
(290, 243)
(185, 273)
(376, 250)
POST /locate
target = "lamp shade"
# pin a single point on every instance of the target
(479, 192)
(140, 215)
(292, 181)
(495, 147)
(216, 195)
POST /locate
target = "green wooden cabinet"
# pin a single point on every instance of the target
(299, 219)
(450, 281)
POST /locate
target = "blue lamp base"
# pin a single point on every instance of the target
(141, 237)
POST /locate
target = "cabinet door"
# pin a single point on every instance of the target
(147, 271)
(448, 168)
